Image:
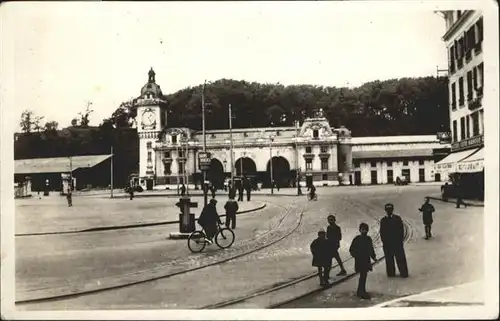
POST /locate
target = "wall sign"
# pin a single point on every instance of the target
(204, 160)
(476, 141)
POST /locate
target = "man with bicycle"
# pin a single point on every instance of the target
(312, 191)
(209, 220)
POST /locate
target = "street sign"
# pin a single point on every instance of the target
(204, 160)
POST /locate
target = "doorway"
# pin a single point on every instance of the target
(374, 177)
(357, 178)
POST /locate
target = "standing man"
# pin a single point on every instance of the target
(231, 208)
(460, 194)
(213, 190)
(248, 187)
(131, 191)
(69, 197)
(240, 191)
(334, 235)
(427, 209)
(183, 190)
(392, 235)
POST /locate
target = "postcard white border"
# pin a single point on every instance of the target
(9, 115)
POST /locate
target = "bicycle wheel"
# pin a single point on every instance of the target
(224, 238)
(196, 241)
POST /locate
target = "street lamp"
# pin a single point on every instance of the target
(231, 143)
(271, 162)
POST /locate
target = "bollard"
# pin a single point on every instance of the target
(186, 219)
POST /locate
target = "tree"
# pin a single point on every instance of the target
(51, 126)
(27, 121)
(85, 116)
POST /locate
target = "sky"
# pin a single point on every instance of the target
(64, 54)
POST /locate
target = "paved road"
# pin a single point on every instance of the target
(453, 256)
(285, 260)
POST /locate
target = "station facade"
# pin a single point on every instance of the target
(312, 151)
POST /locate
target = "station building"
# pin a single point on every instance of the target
(312, 150)
(464, 39)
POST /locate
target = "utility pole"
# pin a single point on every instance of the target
(70, 173)
(112, 158)
(205, 192)
(297, 156)
(231, 144)
(271, 163)
(186, 168)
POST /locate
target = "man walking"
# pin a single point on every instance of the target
(460, 194)
(248, 188)
(334, 235)
(392, 236)
(240, 191)
(427, 209)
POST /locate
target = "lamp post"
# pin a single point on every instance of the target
(112, 156)
(205, 192)
(271, 163)
(297, 157)
(231, 143)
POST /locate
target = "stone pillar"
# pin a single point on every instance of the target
(345, 156)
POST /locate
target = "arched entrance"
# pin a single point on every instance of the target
(245, 166)
(215, 174)
(282, 175)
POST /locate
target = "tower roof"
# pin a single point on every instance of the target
(151, 87)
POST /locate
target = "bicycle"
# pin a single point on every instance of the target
(224, 238)
(314, 198)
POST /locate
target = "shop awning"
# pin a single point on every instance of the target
(472, 164)
(398, 153)
(56, 164)
(449, 163)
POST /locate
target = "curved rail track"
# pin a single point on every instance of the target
(288, 210)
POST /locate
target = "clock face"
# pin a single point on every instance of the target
(148, 118)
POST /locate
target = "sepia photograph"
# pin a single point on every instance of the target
(249, 160)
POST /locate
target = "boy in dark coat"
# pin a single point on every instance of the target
(322, 257)
(334, 235)
(362, 250)
(231, 208)
(427, 209)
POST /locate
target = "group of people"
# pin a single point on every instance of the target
(392, 234)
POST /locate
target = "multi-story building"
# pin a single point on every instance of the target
(464, 39)
(313, 151)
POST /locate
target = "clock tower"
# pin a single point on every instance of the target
(151, 119)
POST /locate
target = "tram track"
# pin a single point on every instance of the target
(73, 293)
(408, 235)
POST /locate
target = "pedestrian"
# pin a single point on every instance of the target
(362, 250)
(231, 208)
(213, 189)
(131, 191)
(427, 209)
(240, 191)
(392, 236)
(248, 188)
(334, 235)
(278, 186)
(183, 190)
(322, 258)
(69, 197)
(208, 220)
(460, 194)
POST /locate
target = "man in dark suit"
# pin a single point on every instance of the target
(392, 235)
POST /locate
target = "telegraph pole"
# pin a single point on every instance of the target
(205, 192)
(231, 144)
(271, 163)
(297, 156)
(112, 157)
